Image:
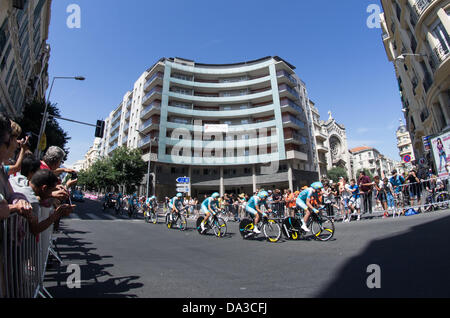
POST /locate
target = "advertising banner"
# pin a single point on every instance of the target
(441, 153)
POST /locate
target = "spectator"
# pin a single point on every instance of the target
(16, 202)
(38, 185)
(414, 187)
(397, 182)
(16, 132)
(365, 191)
(355, 200)
(327, 198)
(345, 193)
(290, 203)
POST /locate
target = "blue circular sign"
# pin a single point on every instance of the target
(407, 158)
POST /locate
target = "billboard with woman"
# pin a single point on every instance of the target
(441, 153)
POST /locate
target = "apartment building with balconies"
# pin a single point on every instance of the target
(24, 53)
(416, 39)
(369, 158)
(219, 124)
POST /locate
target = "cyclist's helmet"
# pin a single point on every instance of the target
(215, 195)
(153, 198)
(263, 195)
(317, 185)
(179, 195)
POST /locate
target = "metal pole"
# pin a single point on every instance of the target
(45, 117)
(148, 167)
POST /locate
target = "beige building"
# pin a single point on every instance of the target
(91, 155)
(371, 159)
(416, 39)
(404, 145)
(24, 53)
(330, 142)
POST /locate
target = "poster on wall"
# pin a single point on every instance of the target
(441, 154)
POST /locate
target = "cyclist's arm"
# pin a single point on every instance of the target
(309, 205)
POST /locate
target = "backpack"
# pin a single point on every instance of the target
(411, 211)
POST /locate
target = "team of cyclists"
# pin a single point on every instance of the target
(307, 200)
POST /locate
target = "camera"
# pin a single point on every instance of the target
(74, 176)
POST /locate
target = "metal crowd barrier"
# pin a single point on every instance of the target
(23, 258)
(402, 202)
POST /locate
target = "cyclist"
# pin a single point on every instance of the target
(253, 207)
(151, 203)
(304, 202)
(209, 206)
(174, 203)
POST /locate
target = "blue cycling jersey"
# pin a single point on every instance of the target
(305, 194)
(255, 201)
(356, 193)
(175, 201)
(209, 201)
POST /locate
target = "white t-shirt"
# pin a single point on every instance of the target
(347, 193)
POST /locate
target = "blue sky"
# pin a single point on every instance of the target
(341, 60)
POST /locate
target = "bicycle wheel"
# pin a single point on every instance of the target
(153, 217)
(442, 200)
(168, 223)
(272, 231)
(322, 228)
(245, 227)
(198, 225)
(220, 227)
(146, 217)
(181, 222)
(291, 228)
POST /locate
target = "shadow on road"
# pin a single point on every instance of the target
(96, 281)
(412, 264)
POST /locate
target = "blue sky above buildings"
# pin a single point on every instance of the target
(341, 60)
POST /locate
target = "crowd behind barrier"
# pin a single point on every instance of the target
(23, 257)
(420, 196)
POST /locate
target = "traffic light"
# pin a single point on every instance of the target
(99, 130)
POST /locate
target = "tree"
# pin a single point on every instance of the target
(31, 122)
(129, 168)
(336, 172)
(99, 176)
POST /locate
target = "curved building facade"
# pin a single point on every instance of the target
(229, 127)
(416, 39)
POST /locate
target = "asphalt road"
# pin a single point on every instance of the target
(119, 257)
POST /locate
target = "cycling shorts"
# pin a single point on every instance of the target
(253, 211)
(205, 210)
(302, 204)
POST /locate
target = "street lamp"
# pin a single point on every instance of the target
(403, 56)
(45, 117)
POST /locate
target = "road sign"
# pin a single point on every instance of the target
(407, 159)
(182, 185)
(183, 180)
(183, 190)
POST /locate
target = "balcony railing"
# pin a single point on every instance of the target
(151, 79)
(421, 5)
(292, 119)
(147, 124)
(289, 76)
(292, 104)
(149, 108)
(155, 90)
(284, 87)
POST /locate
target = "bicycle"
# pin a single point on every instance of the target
(321, 226)
(179, 220)
(442, 200)
(216, 223)
(150, 215)
(270, 228)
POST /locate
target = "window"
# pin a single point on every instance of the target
(441, 35)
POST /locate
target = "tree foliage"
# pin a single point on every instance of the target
(124, 167)
(31, 122)
(337, 172)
